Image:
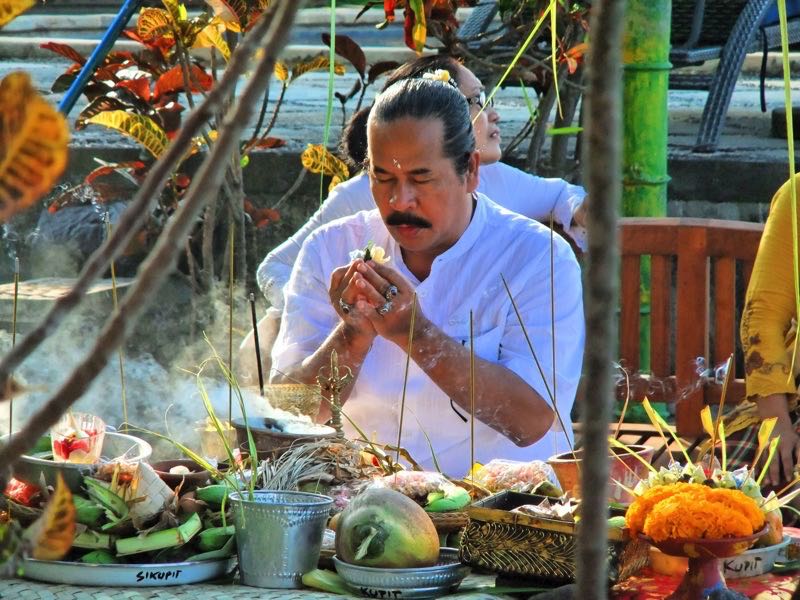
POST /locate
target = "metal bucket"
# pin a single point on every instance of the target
(278, 535)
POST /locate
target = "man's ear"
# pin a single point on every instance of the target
(472, 171)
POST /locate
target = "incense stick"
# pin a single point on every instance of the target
(728, 369)
(553, 307)
(471, 399)
(120, 359)
(405, 375)
(255, 340)
(13, 338)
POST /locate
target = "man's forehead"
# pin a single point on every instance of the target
(404, 143)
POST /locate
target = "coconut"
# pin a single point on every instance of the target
(384, 528)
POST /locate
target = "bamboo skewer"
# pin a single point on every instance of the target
(405, 375)
(231, 231)
(123, 389)
(471, 399)
(255, 340)
(13, 337)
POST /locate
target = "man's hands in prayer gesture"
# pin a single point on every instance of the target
(378, 301)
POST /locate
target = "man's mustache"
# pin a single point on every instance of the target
(400, 218)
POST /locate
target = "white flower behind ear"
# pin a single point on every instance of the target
(438, 75)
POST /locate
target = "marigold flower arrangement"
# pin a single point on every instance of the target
(694, 510)
(692, 501)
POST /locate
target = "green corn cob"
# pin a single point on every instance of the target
(87, 512)
(99, 557)
(168, 538)
(229, 549)
(216, 538)
(91, 539)
(115, 506)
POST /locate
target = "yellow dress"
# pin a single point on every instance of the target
(767, 327)
(767, 330)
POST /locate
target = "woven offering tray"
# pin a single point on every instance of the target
(520, 545)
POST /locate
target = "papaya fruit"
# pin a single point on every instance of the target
(384, 528)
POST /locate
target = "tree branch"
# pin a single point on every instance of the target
(603, 177)
(135, 215)
(162, 259)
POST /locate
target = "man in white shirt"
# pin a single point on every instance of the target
(450, 250)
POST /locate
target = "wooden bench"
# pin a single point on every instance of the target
(699, 274)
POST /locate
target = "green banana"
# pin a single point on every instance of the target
(229, 549)
(91, 539)
(168, 538)
(327, 581)
(214, 494)
(215, 538)
(116, 508)
(452, 498)
(100, 557)
(87, 512)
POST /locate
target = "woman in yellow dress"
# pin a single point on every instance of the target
(768, 328)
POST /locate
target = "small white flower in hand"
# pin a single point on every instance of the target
(371, 252)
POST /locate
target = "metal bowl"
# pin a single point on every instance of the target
(31, 468)
(426, 582)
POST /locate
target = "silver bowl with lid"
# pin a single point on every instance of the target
(425, 582)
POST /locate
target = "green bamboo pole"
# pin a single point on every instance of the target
(645, 87)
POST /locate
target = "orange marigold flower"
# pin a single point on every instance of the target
(690, 510)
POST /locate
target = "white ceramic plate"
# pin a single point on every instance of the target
(141, 575)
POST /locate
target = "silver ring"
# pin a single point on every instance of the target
(345, 306)
(382, 310)
(390, 292)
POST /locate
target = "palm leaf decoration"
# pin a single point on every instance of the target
(51, 535)
(33, 145)
(281, 71)
(142, 129)
(11, 9)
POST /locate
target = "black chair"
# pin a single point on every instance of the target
(702, 30)
(727, 30)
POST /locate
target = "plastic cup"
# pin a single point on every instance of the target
(78, 438)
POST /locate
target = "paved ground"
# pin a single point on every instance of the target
(748, 166)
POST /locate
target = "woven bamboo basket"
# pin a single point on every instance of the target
(449, 522)
(520, 545)
(295, 398)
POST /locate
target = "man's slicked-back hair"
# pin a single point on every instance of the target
(430, 99)
(353, 144)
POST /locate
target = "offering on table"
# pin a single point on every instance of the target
(433, 491)
(529, 477)
(78, 438)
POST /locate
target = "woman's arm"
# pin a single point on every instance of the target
(768, 312)
(345, 199)
(537, 197)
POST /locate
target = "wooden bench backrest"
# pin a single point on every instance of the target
(693, 316)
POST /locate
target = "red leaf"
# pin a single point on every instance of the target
(140, 87)
(388, 9)
(261, 216)
(270, 142)
(172, 81)
(65, 51)
(109, 169)
(347, 48)
(379, 68)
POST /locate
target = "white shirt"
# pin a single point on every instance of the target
(526, 194)
(464, 278)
